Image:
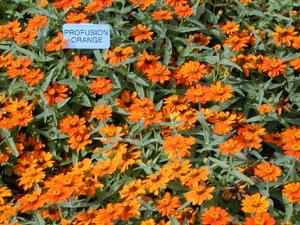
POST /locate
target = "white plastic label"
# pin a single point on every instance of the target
(87, 36)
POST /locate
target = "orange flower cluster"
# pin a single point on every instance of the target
(15, 112)
(28, 36)
(20, 67)
(77, 130)
(249, 136)
(56, 44)
(237, 40)
(290, 141)
(224, 121)
(218, 93)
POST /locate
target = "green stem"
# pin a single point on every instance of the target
(230, 168)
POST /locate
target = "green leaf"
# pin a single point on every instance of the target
(219, 163)
(241, 176)
(173, 221)
(227, 62)
(9, 141)
(167, 52)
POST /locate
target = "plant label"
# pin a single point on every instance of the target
(87, 36)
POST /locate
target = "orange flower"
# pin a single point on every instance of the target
(215, 216)
(37, 22)
(102, 112)
(119, 54)
(4, 192)
(183, 10)
(236, 42)
(155, 182)
(176, 3)
(252, 129)
(57, 43)
(56, 93)
(6, 212)
(81, 66)
(296, 42)
(130, 209)
(12, 29)
(267, 171)
(42, 3)
(292, 192)
(144, 4)
(255, 204)
(274, 67)
(197, 94)
(246, 2)
(19, 67)
(94, 7)
(158, 73)
(127, 157)
(195, 177)
(284, 35)
(231, 146)
(132, 190)
(176, 169)
(52, 213)
(148, 222)
(260, 218)
(199, 38)
(274, 138)
(101, 86)
(31, 176)
(162, 15)
(105, 3)
(230, 27)
(190, 72)
(178, 146)
(146, 61)
(31, 202)
(65, 4)
(199, 194)
(103, 168)
(168, 204)
(26, 37)
(221, 92)
(72, 124)
(57, 194)
(77, 18)
(3, 159)
(126, 100)
(79, 139)
(6, 60)
(266, 108)
(141, 32)
(295, 64)
(34, 76)
(18, 113)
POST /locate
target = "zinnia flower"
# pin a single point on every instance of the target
(255, 204)
(81, 66)
(267, 171)
(215, 216)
